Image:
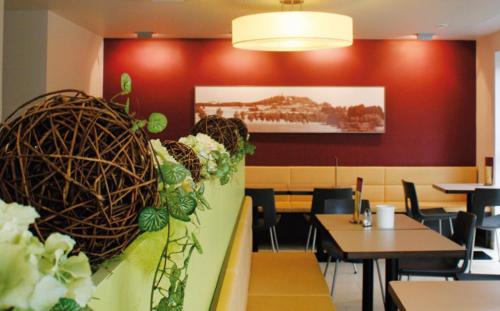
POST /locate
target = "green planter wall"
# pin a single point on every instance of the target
(126, 283)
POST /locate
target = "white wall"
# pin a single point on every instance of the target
(485, 73)
(74, 57)
(24, 57)
(44, 52)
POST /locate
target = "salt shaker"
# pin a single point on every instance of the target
(367, 221)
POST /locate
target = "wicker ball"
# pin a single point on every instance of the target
(186, 156)
(220, 129)
(240, 126)
(74, 158)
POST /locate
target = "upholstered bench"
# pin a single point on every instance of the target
(269, 281)
(382, 185)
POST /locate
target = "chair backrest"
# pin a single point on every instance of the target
(464, 229)
(322, 194)
(411, 201)
(263, 198)
(343, 206)
(481, 198)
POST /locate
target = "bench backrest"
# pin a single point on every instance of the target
(234, 289)
(381, 183)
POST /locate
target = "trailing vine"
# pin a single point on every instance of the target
(179, 200)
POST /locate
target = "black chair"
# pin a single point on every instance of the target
(465, 226)
(317, 207)
(343, 206)
(478, 277)
(482, 198)
(264, 198)
(431, 214)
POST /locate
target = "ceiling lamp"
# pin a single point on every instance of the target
(292, 30)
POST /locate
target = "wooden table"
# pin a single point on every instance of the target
(406, 240)
(438, 296)
(465, 188)
(341, 222)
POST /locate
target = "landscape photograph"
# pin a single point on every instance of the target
(267, 109)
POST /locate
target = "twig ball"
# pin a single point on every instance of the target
(75, 159)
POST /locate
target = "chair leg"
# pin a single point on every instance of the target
(497, 241)
(327, 264)
(451, 226)
(355, 268)
(472, 252)
(276, 239)
(272, 239)
(308, 238)
(334, 276)
(440, 227)
(313, 247)
(380, 280)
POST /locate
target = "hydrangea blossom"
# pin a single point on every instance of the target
(210, 152)
(34, 276)
(161, 152)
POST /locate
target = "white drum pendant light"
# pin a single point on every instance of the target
(292, 31)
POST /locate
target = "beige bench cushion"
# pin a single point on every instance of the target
(289, 303)
(234, 289)
(276, 177)
(286, 273)
(382, 185)
(306, 178)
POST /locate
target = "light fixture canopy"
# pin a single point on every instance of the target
(292, 31)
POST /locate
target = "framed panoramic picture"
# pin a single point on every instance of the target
(291, 109)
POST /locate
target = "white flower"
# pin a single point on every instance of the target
(81, 291)
(47, 293)
(18, 276)
(208, 150)
(34, 276)
(161, 152)
(14, 222)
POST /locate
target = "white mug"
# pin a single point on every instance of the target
(385, 216)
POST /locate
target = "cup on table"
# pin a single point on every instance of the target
(385, 216)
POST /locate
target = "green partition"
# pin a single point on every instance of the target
(127, 284)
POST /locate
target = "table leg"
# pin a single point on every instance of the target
(469, 202)
(391, 274)
(367, 284)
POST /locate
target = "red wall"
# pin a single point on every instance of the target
(430, 94)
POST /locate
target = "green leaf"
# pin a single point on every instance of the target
(126, 83)
(173, 173)
(201, 199)
(249, 148)
(224, 180)
(175, 274)
(127, 106)
(66, 304)
(177, 212)
(138, 124)
(162, 305)
(196, 243)
(188, 203)
(153, 219)
(157, 122)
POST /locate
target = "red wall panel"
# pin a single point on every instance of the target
(430, 94)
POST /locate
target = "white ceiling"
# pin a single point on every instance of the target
(373, 19)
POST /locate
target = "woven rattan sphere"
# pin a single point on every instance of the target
(186, 156)
(74, 158)
(240, 126)
(220, 129)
